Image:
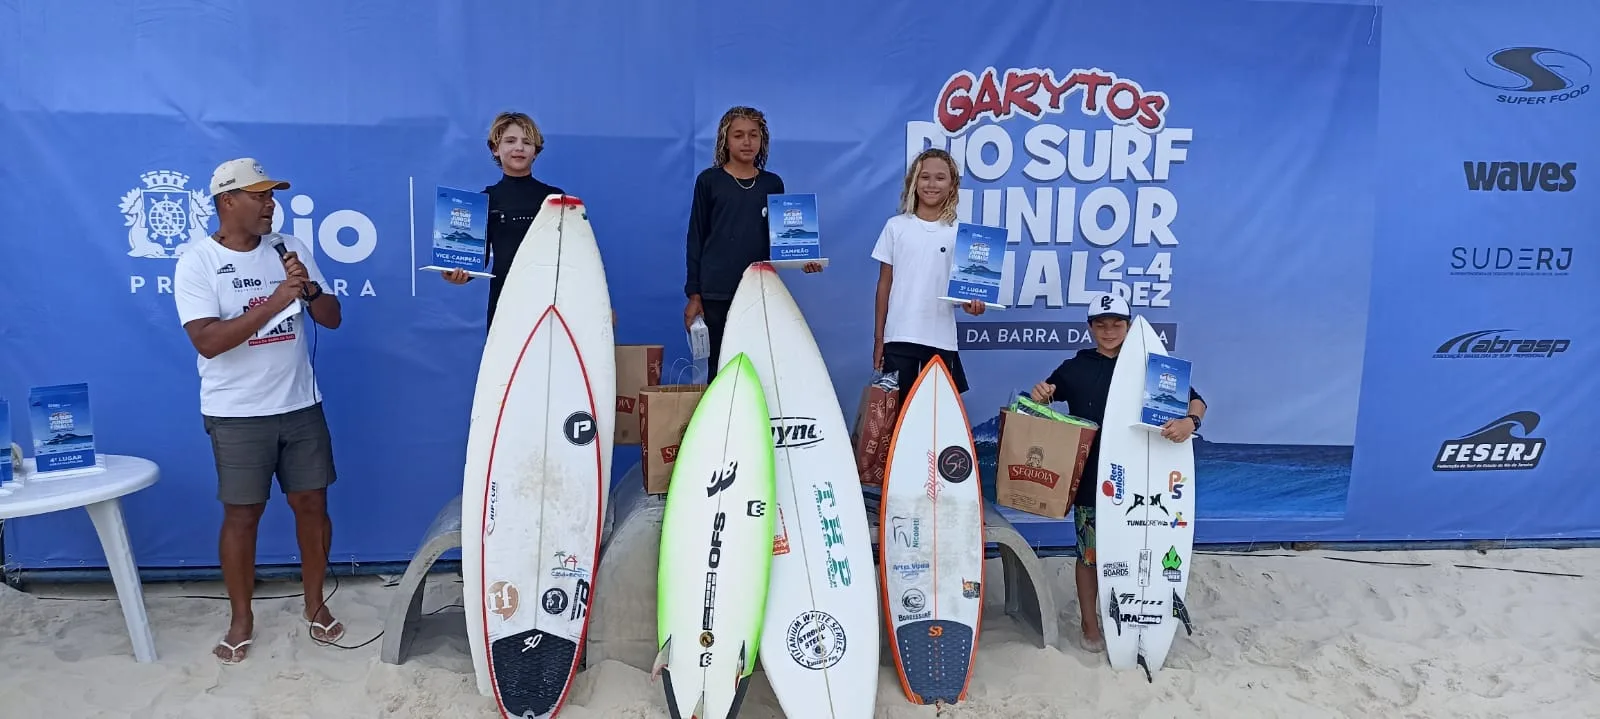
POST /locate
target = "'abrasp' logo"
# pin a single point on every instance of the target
(1493, 344)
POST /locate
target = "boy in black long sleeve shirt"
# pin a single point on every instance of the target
(1083, 382)
(728, 222)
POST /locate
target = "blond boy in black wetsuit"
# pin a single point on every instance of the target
(514, 142)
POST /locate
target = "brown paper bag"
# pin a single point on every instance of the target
(1039, 463)
(664, 413)
(638, 367)
(874, 427)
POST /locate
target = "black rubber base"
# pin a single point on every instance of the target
(531, 672)
(936, 656)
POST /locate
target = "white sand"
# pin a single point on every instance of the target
(1275, 636)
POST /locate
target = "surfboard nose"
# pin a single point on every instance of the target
(565, 201)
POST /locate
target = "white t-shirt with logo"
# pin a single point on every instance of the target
(920, 253)
(269, 373)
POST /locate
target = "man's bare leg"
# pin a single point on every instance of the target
(314, 530)
(236, 548)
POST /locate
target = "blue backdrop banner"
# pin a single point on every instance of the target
(1367, 225)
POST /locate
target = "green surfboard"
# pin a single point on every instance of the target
(716, 548)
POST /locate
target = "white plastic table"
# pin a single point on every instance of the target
(100, 494)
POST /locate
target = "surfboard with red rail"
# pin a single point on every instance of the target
(538, 466)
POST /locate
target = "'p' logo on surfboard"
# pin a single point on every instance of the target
(579, 428)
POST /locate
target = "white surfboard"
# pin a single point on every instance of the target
(716, 549)
(821, 626)
(930, 542)
(1144, 519)
(539, 465)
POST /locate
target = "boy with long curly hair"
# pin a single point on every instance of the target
(728, 222)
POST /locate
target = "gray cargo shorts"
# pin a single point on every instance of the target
(295, 446)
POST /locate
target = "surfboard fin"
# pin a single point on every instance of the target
(1148, 677)
(661, 659)
(1181, 612)
(699, 707)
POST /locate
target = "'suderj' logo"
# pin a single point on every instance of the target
(164, 216)
(1533, 75)
(1074, 166)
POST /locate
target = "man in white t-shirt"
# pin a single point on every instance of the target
(244, 296)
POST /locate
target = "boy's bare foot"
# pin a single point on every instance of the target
(1092, 641)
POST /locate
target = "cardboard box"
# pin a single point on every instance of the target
(1040, 462)
(664, 413)
(638, 367)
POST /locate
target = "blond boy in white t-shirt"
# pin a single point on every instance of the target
(911, 325)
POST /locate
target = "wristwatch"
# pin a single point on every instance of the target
(311, 297)
(1196, 419)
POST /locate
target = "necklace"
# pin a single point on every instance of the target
(739, 182)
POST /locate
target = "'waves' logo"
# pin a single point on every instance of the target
(1493, 446)
(1521, 176)
(1537, 75)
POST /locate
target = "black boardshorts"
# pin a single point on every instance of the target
(906, 360)
(295, 446)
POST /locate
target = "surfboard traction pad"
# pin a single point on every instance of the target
(539, 665)
(923, 648)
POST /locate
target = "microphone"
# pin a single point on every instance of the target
(283, 254)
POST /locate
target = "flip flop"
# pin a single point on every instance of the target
(326, 629)
(233, 649)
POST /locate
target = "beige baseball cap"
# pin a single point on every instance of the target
(243, 174)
